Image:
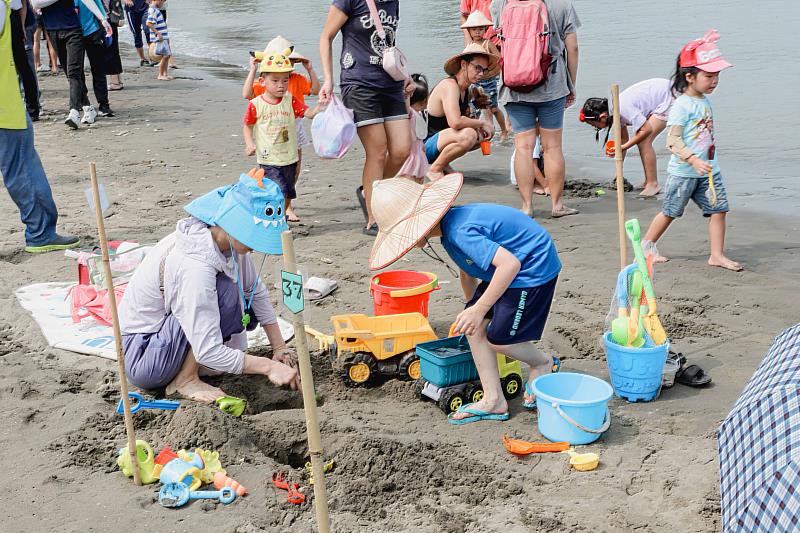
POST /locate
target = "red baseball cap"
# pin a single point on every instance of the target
(703, 54)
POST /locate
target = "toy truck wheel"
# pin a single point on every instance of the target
(409, 367)
(451, 400)
(512, 385)
(418, 386)
(359, 370)
(474, 393)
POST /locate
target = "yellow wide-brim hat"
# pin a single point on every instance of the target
(405, 212)
(453, 65)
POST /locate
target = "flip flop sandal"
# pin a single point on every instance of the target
(362, 201)
(692, 376)
(679, 357)
(529, 390)
(564, 212)
(477, 415)
(372, 231)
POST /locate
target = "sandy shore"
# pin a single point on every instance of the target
(399, 465)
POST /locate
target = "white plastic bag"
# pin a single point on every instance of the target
(333, 130)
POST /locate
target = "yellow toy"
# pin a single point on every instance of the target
(365, 346)
(211, 463)
(144, 456)
(582, 462)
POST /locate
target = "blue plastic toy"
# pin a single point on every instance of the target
(178, 494)
(140, 403)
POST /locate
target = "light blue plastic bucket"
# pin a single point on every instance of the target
(636, 373)
(572, 407)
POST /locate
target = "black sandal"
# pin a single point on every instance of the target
(372, 231)
(692, 376)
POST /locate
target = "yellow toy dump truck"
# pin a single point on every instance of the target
(365, 346)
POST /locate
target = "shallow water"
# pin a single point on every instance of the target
(622, 42)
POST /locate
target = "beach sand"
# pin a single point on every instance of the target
(399, 465)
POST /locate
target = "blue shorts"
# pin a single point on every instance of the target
(523, 115)
(679, 190)
(432, 147)
(284, 177)
(519, 315)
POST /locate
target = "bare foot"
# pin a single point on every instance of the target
(724, 262)
(503, 136)
(527, 209)
(195, 389)
(498, 407)
(165, 78)
(291, 216)
(537, 189)
(650, 192)
(448, 169)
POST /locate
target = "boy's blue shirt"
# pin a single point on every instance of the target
(471, 235)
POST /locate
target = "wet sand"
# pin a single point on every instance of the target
(399, 465)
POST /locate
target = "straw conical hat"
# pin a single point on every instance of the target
(405, 212)
(476, 19)
(453, 64)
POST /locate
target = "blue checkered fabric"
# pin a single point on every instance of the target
(759, 445)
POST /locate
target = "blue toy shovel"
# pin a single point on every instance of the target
(140, 403)
(178, 494)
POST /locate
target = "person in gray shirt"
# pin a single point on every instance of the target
(543, 107)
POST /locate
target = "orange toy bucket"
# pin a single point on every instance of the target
(402, 291)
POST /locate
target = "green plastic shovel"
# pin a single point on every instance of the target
(652, 323)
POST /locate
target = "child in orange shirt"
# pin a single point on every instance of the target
(299, 87)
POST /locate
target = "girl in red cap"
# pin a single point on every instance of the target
(693, 171)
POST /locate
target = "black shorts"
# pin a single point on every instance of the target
(284, 177)
(519, 315)
(374, 106)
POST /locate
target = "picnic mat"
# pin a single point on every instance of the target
(49, 304)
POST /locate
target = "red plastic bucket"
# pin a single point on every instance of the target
(402, 291)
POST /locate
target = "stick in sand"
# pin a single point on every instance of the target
(623, 251)
(309, 399)
(112, 300)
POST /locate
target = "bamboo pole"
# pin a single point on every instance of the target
(309, 399)
(112, 302)
(623, 251)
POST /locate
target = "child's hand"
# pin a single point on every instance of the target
(469, 320)
(253, 63)
(107, 27)
(249, 149)
(700, 166)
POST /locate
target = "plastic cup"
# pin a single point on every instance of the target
(486, 147)
(610, 151)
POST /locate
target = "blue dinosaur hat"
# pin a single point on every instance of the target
(251, 211)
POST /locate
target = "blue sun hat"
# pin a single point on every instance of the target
(251, 211)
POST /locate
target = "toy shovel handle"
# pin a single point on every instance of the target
(432, 285)
(633, 229)
(136, 402)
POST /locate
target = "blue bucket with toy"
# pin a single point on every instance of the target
(636, 373)
(572, 407)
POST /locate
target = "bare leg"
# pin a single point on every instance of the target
(37, 40)
(554, 170)
(51, 52)
(486, 362)
(452, 144)
(398, 146)
(649, 159)
(540, 181)
(373, 138)
(501, 121)
(525, 142)
(657, 228)
(526, 352)
(163, 69)
(716, 234)
(187, 383)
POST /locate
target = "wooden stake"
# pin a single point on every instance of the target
(309, 398)
(623, 251)
(112, 302)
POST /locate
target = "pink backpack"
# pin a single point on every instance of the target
(525, 34)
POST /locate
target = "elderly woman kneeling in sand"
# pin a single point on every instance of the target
(186, 308)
